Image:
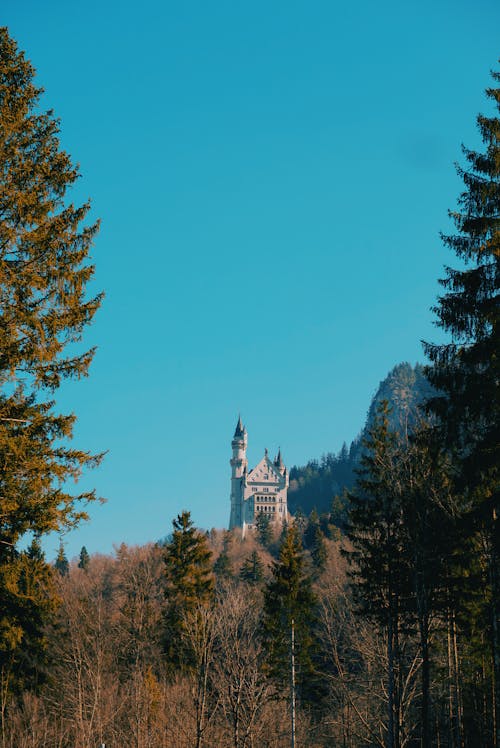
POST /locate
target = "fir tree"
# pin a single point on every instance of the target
(189, 583)
(378, 569)
(314, 541)
(288, 597)
(84, 561)
(430, 549)
(223, 567)
(264, 530)
(466, 370)
(31, 603)
(61, 563)
(252, 570)
(43, 308)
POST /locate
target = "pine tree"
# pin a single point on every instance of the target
(84, 561)
(223, 568)
(264, 530)
(252, 570)
(378, 569)
(36, 589)
(288, 597)
(431, 550)
(61, 563)
(30, 604)
(189, 583)
(43, 308)
(466, 371)
(314, 541)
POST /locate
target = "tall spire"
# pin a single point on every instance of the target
(239, 427)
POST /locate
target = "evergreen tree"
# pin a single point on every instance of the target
(264, 529)
(30, 606)
(61, 563)
(431, 550)
(84, 561)
(252, 570)
(289, 597)
(43, 308)
(314, 541)
(189, 583)
(300, 522)
(378, 568)
(223, 567)
(466, 370)
(339, 511)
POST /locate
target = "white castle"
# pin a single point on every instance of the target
(261, 490)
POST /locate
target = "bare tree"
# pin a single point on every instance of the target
(243, 691)
(85, 682)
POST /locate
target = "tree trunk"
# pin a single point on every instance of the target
(390, 683)
(451, 709)
(424, 651)
(495, 626)
(456, 684)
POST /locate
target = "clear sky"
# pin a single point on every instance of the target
(272, 178)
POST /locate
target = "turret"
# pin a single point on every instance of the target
(278, 462)
(239, 465)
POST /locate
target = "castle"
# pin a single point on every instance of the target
(262, 490)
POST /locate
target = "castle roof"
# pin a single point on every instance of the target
(265, 471)
(239, 428)
(279, 460)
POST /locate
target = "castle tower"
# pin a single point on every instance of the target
(239, 465)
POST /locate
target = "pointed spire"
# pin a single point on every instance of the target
(279, 460)
(239, 427)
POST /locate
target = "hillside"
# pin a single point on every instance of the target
(316, 484)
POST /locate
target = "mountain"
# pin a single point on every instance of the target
(315, 485)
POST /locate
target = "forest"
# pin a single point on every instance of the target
(321, 481)
(371, 618)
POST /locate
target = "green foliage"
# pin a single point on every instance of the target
(315, 485)
(289, 596)
(466, 370)
(405, 389)
(375, 527)
(223, 567)
(44, 309)
(314, 541)
(27, 605)
(43, 276)
(264, 530)
(379, 569)
(84, 560)
(61, 563)
(252, 570)
(189, 582)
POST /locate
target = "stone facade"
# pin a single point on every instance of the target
(260, 490)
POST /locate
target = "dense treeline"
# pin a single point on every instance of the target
(165, 645)
(322, 484)
(151, 647)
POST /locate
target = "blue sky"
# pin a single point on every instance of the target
(272, 179)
